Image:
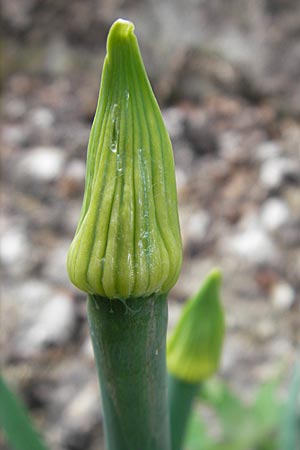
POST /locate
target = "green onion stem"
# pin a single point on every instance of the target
(181, 397)
(129, 340)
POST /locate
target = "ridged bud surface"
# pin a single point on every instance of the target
(194, 349)
(127, 243)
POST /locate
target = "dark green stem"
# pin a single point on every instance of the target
(181, 396)
(129, 340)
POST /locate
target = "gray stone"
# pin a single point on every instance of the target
(181, 178)
(174, 118)
(233, 148)
(274, 214)
(76, 171)
(175, 310)
(53, 325)
(87, 350)
(274, 171)
(43, 164)
(55, 267)
(197, 227)
(41, 117)
(32, 294)
(83, 412)
(14, 246)
(14, 135)
(72, 181)
(282, 296)
(253, 244)
(15, 109)
(15, 254)
(268, 150)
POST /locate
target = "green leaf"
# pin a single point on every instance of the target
(243, 426)
(229, 408)
(17, 425)
(290, 430)
(267, 408)
(197, 437)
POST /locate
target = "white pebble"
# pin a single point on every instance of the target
(252, 244)
(268, 150)
(76, 170)
(274, 171)
(55, 267)
(197, 226)
(54, 324)
(41, 117)
(173, 118)
(42, 164)
(14, 246)
(282, 296)
(274, 214)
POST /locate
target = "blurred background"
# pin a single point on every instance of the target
(227, 77)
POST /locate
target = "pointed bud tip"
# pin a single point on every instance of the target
(121, 29)
(215, 276)
(209, 288)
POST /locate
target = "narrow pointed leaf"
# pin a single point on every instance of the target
(16, 423)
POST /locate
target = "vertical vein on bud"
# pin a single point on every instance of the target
(164, 173)
(148, 147)
(95, 152)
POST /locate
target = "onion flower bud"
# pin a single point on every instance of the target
(194, 349)
(127, 243)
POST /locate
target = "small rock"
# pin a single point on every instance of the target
(55, 267)
(265, 329)
(282, 296)
(268, 150)
(253, 244)
(232, 147)
(14, 135)
(87, 350)
(197, 227)
(43, 164)
(173, 118)
(53, 325)
(175, 310)
(289, 235)
(274, 214)
(74, 176)
(274, 171)
(41, 117)
(201, 134)
(184, 156)
(15, 109)
(14, 246)
(83, 413)
(32, 294)
(181, 178)
(69, 221)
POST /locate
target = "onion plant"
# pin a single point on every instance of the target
(126, 253)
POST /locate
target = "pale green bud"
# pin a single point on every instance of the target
(194, 349)
(127, 243)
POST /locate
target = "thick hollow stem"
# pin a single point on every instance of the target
(129, 340)
(181, 396)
